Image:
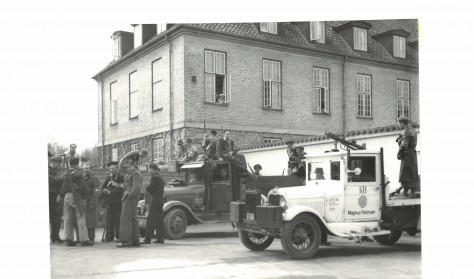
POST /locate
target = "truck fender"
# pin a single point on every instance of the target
(192, 218)
(292, 212)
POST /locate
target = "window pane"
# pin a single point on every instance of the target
(276, 95)
(359, 83)
(267, 93)
(406, 89)
(264, 26)
(220, 63)
(316, 75)
(275, 71)
(325, 78)
(273, 27)
(326, 101)
(154, 70)
(360, 109)
(210, 62)
(317, 100)
(133, 82)
(210, 87)
(133, 105)
(266, 69)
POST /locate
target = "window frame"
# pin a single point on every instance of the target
(156, 155)
(226, 86)
(320, 25)
(267, 27)
(326, 93)
(357, 40)
(114, 149)
(160, 28)
(363, 94)
(130, 93)
(159, 86)
(112, 101)
(399, 46)
(403, 98)
(268, 140)
(280, 83)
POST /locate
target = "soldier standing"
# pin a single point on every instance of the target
(112, 191)
(55, 212)
(155, 214)
(129, 232)
(92, 198)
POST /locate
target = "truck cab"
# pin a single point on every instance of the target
(344, 196)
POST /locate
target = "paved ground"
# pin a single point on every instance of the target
(214, 251)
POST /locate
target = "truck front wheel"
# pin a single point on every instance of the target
(389, 239)
(301, 237)
(255, 241)
(176, 222)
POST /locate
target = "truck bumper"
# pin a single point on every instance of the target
(264, 219)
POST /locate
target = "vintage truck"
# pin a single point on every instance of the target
(204, 195)
(344, 196)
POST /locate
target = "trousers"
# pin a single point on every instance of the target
(72, 217)
(113, 221)
(155, 220)
(129, 231)
(55, 215)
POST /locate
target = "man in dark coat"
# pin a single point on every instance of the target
(407, 154)
(155, 214)
(129, 232)
(112, 191)
(74, 190)
(55, 209)
(226, 150)
(92, 199)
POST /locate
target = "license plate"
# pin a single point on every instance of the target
(250, 216)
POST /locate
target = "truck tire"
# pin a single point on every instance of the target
(301, 237)
(255, 241)
(176, 222)
(389, 239)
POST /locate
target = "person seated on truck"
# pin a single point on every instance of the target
(226, 150)
(257, 169)
(298, 163)
(319, 174)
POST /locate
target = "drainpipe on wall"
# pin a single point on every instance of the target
(171, 95)
(102, 119)
(344, 97)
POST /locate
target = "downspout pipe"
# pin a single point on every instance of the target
(344, 97)
(170, 52)
(101, 86)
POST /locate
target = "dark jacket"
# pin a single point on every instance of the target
(55, 181)
(77, 182)
(156, 187)
(407, 154)
(116, 192)
(224, 147)
(211, 148)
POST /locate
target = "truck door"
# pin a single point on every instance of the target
(362, 189)
(220, 186)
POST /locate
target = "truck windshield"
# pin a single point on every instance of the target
(361, 169)
(324, 170)
(195, 175)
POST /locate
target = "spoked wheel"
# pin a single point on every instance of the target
(301, 237)
(255, 241)
(175, 223)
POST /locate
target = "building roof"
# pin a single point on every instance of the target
(324, 137)
(291, 36)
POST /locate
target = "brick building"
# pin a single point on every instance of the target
(265, 82)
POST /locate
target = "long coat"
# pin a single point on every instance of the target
(407, 154)
(92, 198)
(129, 219)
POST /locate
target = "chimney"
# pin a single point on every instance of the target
(143, 33)
(122, 43)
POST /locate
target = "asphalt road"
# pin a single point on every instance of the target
(214, 251)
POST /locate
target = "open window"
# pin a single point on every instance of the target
(221, 173)
(195, 175)
(361, 169)
(217, 82)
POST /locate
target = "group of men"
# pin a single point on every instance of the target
(76, 194)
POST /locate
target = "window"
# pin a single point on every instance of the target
(133, 92)
(160, 28)
(216, 81)
(317, 31)
(116, 47)
(133, 146)
(403, 98)
(113, 103)
(271, 140)
(158, 151)
(364, 95)
(399, 46)
(321, 90)
(137, 35)
(157, 84)
(271, 84)
(360, 39)
(114, 154)
(269, 27)
(361, 169)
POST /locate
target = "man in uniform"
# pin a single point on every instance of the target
(71, 153)
(210, 145)
(191, 151)
(112, 191)
(74, 190)
(129, 232)
(407, 154)
(55, 210)
(155, 214)
(92, 199)
(225, 149)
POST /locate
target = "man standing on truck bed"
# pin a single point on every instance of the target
(407, 154)
(225, 149)
(155, 214)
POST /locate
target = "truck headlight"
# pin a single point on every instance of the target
(283, 202)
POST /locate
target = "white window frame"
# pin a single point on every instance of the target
(403, 98)
(215, 63)
(399, 46)
(133, 94)
(360, 39)
(272, 84)
(321, 97)
(364, 95)
(269, 27)
(114, 153)
(271, 140)
(133, 146)
(160, 28)
(137, 35)
(113, 103)
(317, 31)
(158, 149)
(157, 93)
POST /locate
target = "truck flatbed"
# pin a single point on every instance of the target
(403, 202)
